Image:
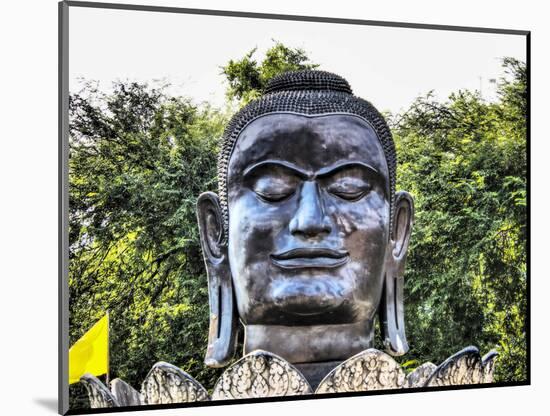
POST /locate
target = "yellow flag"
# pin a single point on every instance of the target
(90, 354)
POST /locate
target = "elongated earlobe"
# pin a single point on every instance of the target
(223, 320)
(392, 314)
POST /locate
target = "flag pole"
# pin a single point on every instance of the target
(108, 350)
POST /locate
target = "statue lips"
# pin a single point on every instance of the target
(306, 258)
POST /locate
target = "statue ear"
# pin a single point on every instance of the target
(392, 317)
(223, 320)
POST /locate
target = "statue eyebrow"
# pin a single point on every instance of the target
(324, 172)
(330, 170)
(289, 166)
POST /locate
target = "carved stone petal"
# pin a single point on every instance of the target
(167, 383)
(488, 363)
(369, 370)
(98, 393)
(464, 367)
(420, 375)
(260, 374)
(125, 394)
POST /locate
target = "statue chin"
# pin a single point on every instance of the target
(310, 309)
(311, 301)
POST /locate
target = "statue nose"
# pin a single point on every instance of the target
(309, 219)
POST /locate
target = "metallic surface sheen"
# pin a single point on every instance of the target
(309, 253)
(309, 223)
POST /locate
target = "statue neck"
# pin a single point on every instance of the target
(309, 344)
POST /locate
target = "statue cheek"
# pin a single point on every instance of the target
(363, 217)
(251, 219)
(253, 227)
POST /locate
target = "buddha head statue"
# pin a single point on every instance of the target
(305, 241)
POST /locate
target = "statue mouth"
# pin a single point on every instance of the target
(305, 258)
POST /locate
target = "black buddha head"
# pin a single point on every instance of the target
(306, 240)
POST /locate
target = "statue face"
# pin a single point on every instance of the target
(308, 220)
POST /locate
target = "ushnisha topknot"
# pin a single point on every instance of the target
(307, 80)
(308, 92)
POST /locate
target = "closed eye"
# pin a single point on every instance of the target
(350, 195)
(350, 183)
(273, 183)
(273, 197)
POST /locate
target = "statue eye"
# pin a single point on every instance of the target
(349, 196)
(274, 188)
(274, 197)
(349, 189)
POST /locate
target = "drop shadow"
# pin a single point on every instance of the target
(49, 404)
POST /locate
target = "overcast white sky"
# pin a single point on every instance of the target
(388, 66)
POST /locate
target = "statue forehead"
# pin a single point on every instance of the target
(309, 141)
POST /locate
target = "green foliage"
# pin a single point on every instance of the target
(138, 161)
(134, 247)
(247, 78)
(464, 161)
(140, 158)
